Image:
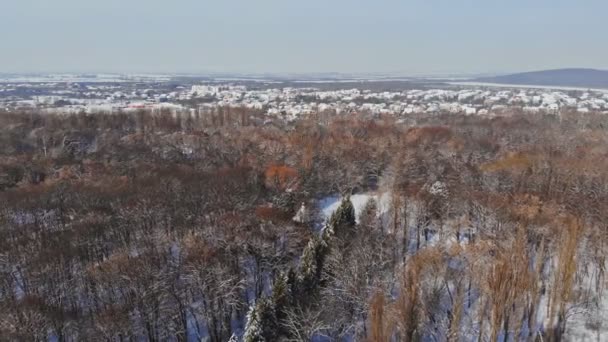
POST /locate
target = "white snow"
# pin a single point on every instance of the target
(330, 204)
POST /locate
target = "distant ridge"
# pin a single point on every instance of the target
(573, 77)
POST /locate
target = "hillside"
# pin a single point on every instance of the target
(591, 78)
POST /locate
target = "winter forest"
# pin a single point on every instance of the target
(229, 226)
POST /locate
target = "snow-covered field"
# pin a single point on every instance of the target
(524, 86)
(328, 205)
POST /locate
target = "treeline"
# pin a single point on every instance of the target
(141, 226)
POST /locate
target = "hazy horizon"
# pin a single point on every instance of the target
(275, 37)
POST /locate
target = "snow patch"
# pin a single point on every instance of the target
(330, 204)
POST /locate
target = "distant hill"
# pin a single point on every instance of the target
(583, 78)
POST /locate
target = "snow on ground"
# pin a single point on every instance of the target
(525, 86)
(588, 322)
(330, 204)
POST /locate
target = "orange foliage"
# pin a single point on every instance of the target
(281, 176)
(513, 161)
(426, 135)
(527, 206)
(269, 213)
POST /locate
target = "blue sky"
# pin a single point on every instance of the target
(415, 37)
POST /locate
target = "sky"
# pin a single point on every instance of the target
(417, 37)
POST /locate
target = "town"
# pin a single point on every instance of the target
(288, 100)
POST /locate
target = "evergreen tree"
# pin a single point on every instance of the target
(308, 265)
(311, 264)
(292, 283)
(343, 219)
(326, 236)
(262, 323)
(281, 296)
(281, 299)
(369, 215)
(253, 329)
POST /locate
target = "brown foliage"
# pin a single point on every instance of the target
(281, 176)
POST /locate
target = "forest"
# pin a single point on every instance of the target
(213, 227)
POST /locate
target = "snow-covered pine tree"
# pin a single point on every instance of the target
(311, 263)
(293, 285)
(253, 329)
(308, 264)
(343, 219)
(262, 323)
(369, 215)
(281, 295)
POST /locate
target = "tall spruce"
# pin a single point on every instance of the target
(343, 219)
(253, 329)
(262, 323)
(311, 264)
(281, 295)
